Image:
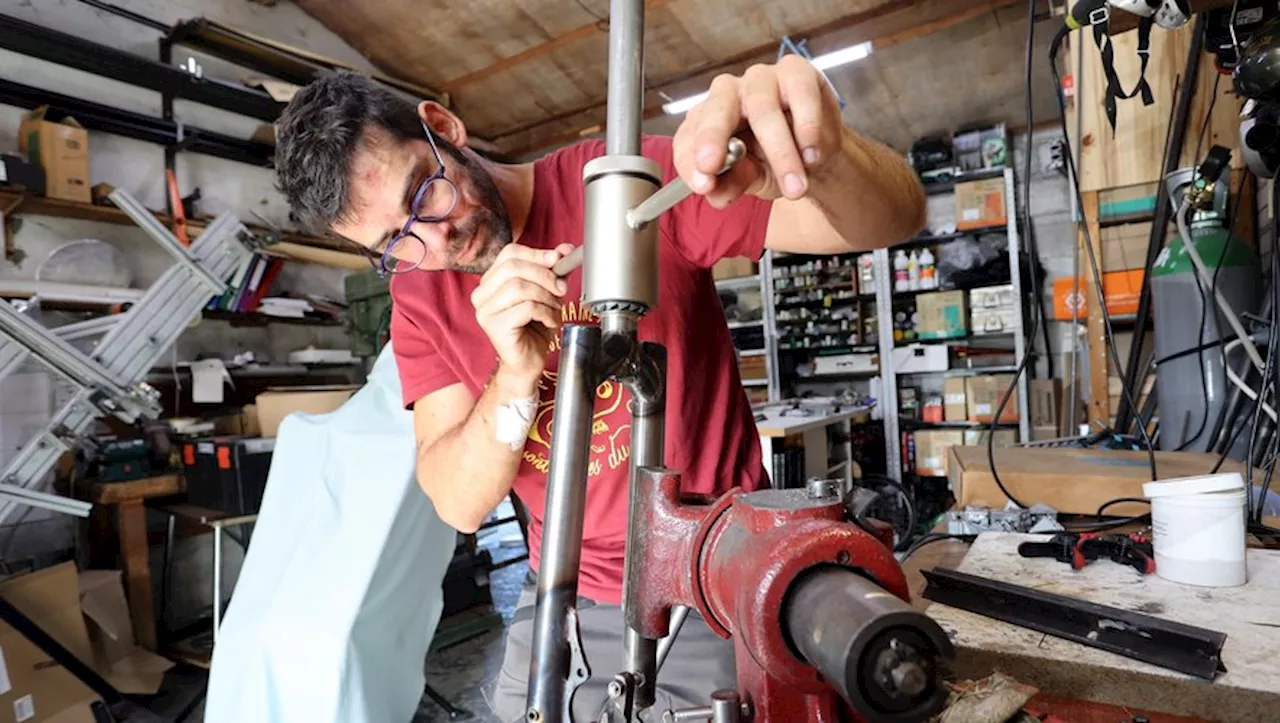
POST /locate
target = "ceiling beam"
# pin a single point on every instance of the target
(879, 30)
(710, 67)
(581, 32)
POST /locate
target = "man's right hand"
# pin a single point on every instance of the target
(518, 306)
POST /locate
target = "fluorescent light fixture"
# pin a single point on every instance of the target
(823, 62)
(676, 107)
(826, 61)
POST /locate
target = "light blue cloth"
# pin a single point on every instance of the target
(340, 593)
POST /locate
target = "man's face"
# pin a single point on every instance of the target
(385, 176)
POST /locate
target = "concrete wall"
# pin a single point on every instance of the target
(29, 399)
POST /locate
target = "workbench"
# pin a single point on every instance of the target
(129, 500)
(778, 424)
(1249, 615)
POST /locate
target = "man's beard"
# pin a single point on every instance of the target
(488, 223)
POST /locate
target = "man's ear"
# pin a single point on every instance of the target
(443, 123)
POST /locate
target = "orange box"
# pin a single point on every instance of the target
(1120, 289)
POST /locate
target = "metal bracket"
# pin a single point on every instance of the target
(579, 670)
(1184, 648)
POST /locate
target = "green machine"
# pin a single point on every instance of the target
(368, 313)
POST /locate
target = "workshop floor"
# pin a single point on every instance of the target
(463, 674)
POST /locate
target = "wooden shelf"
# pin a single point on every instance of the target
(41, 206)
(236, 318)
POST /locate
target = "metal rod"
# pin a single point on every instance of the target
(677, 190)
(562, 523)
(217, 582)
(726, 707)
(1173, 155)
(679, 614)
(626, 77)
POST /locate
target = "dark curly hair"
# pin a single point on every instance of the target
(319, 133)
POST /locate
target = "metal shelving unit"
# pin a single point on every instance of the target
(893, 423)
(759, 282)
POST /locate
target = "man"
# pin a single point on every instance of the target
(471, 244)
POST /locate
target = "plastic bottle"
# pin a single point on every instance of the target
(913, 272)
(900, 271)
(928, 272)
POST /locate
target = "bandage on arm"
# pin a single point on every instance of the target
(469, 449)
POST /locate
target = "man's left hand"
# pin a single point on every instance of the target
(793, 119)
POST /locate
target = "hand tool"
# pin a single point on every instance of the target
(1080, 549)
(651, 208)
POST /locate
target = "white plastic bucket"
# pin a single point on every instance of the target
(1199, 529)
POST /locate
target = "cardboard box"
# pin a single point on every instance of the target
(980, 204)
(128, 667)
(943, 315)
(932, 446)
(1134, 200)
(38, 689)
(846, 363)
(915, 358)
(983, 395)
(991, 321)
(978, 437)
(1046, 398)
(1124, 247)
(733, 268)
(955, 409)
(59, 145)
(1072, 481)
(276, 404)
(1120, 290)
(992, 297)
(753, 367)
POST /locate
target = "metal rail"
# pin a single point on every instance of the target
(1184, 648)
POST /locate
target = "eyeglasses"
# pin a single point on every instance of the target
(432, 202)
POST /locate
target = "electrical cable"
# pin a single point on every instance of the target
(1055, 45)
(1026, 230)
(1121, 500)
(871, 480)
(1204, 302)
(931, 538)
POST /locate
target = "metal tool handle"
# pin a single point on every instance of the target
(654, 206)
(669, 195)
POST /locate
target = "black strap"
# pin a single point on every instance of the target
(1114, 91)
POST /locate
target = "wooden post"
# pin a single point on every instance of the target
(131, 517)
(1099, 368)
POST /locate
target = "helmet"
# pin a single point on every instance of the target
(1257, 75)
(1141, 8)
(1173, 14)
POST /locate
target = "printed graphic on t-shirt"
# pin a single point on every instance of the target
(611, 423)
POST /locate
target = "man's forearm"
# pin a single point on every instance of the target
(469, 469)
(868, 194)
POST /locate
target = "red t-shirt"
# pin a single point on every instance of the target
(710, 430)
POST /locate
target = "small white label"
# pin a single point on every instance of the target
(954, 398)
(982, 409)
(4, 171)
(205, 448)
(5, 684)
(259, 446)
(972, 214)
(932, 463)
(24, 708)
